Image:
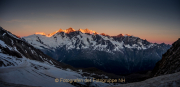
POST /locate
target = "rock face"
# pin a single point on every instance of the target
(122, 54)
(170, 62)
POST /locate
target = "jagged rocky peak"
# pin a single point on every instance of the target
(41, 33)
(170, 62)
(127, 35)
(120, 35)
(104, 34)
(69, 30)
(87, 31)
(60, 30)
(7, 32)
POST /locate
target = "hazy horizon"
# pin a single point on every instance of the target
(155, 21)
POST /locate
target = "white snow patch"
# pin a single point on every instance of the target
(2, 43)
(4, 34)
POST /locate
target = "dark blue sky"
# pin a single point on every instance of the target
(154, 20)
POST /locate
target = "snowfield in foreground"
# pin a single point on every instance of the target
(170, 80)
(33, 73)
(30, 72)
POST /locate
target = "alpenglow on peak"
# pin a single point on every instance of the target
(69, 30)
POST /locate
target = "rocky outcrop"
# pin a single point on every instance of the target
(170, 62)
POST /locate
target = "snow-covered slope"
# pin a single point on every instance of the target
(35, 73)
(30, 72)
(86, 48)
(170, 80)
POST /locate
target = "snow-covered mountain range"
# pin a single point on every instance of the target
(85, 38)
(121, 54)
(21, 63)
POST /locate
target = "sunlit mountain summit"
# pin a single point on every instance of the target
(69, 30)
